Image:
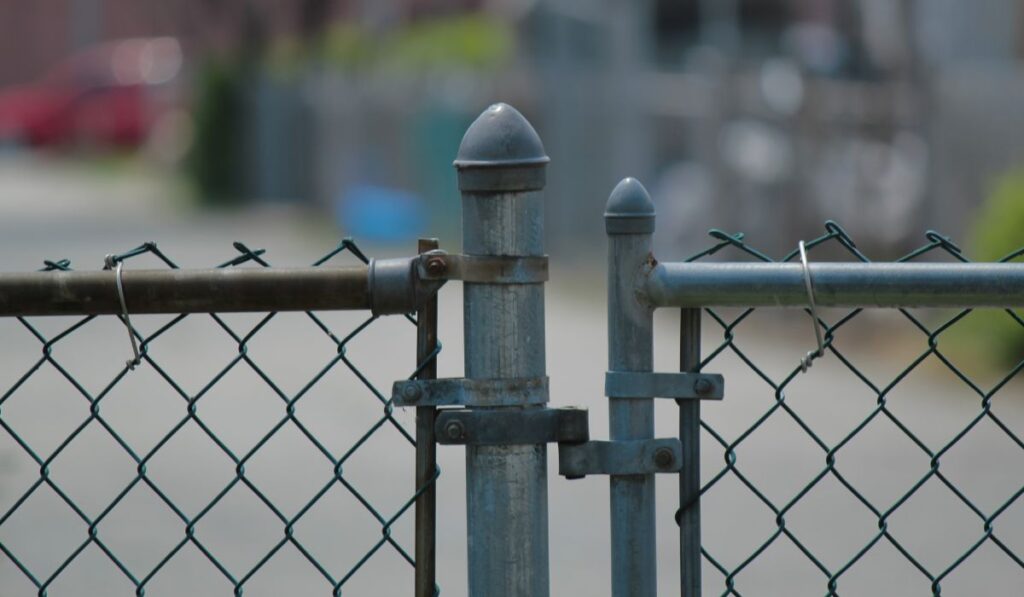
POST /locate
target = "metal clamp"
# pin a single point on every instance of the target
(805, 363)
(397, 288)
(512, 426)
(626, 457)
(681, 386)
(108, 263)
(470, 392)
(484, 269)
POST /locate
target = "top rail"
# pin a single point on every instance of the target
(185, 291)
(835, 285)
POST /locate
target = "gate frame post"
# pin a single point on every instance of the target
(501, 170)
(629, 223)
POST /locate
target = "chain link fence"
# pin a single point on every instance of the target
(255, 453)
(887, 478)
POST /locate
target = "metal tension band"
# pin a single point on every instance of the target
(681, 386)
(502, 427)
(625, 457)
(484, 269)
(470, 392)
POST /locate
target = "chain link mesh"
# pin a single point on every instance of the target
(879, 513)
(92, 527)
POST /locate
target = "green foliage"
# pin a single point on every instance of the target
(998, 234)
(214, 159)
(471, 42)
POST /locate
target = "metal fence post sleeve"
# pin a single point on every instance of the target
(689, 476)
(426, 448)
(629, 222)
(501, 170)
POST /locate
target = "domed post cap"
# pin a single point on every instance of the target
(501, 152)
(630, 209)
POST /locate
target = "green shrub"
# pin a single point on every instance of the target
(214, 159)
(997, 234)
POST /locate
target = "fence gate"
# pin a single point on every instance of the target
(498, 412)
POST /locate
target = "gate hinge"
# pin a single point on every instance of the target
(471, 392)
(681, 386)
(622, 457)
(508, 426)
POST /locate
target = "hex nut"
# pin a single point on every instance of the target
(436, 266)
(703, 386)
(455, 430)
(411, 392)
(664, 458)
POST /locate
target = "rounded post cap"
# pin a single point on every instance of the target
(629, 209)
(501, 152)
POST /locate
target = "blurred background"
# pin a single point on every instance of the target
(765, 116)
(289, 125)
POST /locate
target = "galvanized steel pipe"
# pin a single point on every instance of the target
(835, 285)
(185, 291)
(501, 168)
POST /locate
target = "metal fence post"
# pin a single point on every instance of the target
(426, 448)
(629, 222)
(501, 168)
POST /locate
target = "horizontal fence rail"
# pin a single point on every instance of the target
(835, 285)
(185, 291)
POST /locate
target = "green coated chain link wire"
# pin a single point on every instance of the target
(937, 245)
(237, 578)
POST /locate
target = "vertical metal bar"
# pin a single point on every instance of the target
(688, 516)
(501, 171)
(629, 221)
(426, 447)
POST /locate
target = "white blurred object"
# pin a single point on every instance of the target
(782, 86)
(759, 152)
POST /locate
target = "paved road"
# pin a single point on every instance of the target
(53, 212)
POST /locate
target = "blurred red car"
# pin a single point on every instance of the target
(110, 94)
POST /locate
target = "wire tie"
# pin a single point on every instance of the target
(109, 262)
(805, 362)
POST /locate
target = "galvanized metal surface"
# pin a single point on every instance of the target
(470, 392)
(507, 426)
(692, 386)
(427, 471)
(627, 457)
(500, 167)
(630, 348)
(185, 291)
(688, 516)
(835, 285)
(498, 269)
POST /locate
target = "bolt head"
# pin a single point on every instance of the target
(436, 266)
(455, 430)
(664, 458)
(703, 386)
(411, 392)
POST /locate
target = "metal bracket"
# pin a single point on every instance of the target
(470, 392)
(396, 288)
(512, 426)
(484, 269)
(681, 386)
(626, 457)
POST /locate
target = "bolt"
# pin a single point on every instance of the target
(411, 392)
(703, 386)
(455, 430)
(436, 266)
(664, 458)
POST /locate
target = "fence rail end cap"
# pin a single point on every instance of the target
(630, 209)
(501, 152)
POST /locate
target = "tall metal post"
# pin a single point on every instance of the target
(689, 477)
(501, 168)
(629, 222)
